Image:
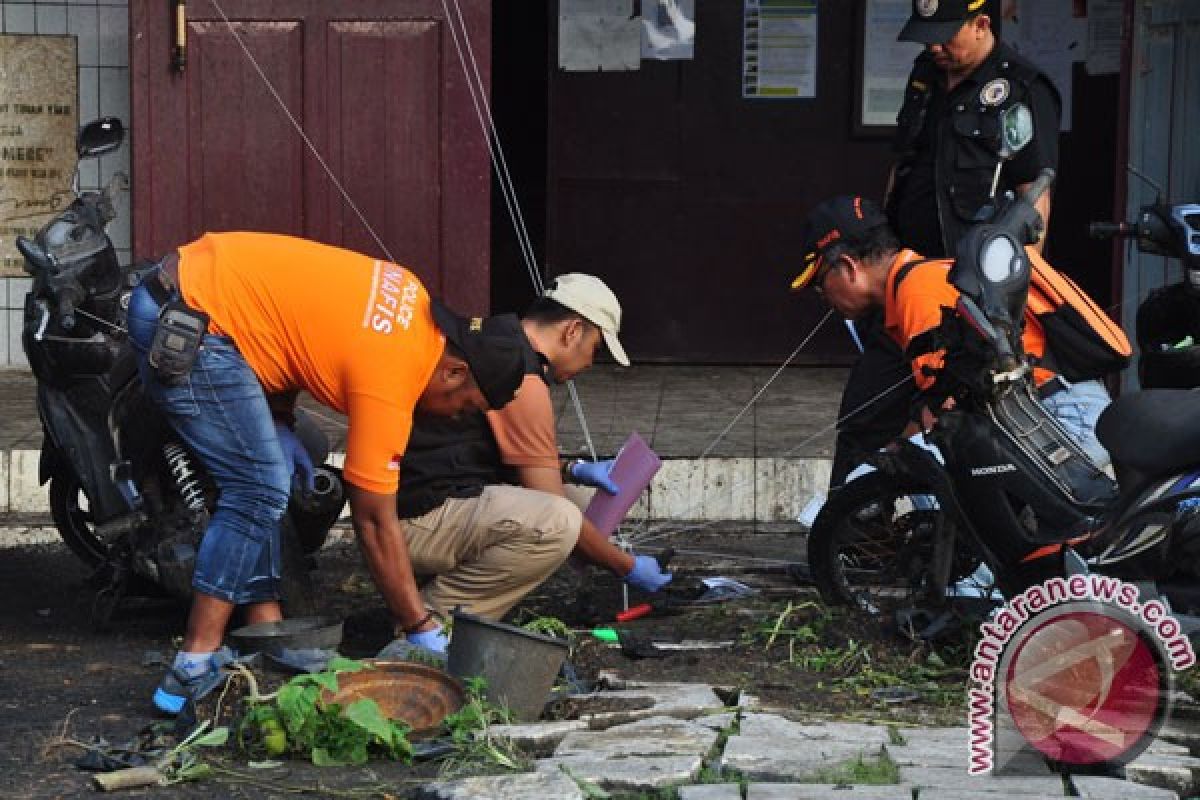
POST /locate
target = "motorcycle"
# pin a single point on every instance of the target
(1004, 499)
(126, 495)
(1168, 320)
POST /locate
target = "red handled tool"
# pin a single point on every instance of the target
(636, 612)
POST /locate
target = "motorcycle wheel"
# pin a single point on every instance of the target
(870, 548)
(72, 516)
(70, 510)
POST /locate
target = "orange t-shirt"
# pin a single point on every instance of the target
(524, 429)
(355, 332)
(915, 306)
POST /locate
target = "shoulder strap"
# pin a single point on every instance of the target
(902, 273)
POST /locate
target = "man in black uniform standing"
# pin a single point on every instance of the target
(947, 156)
(947, 130)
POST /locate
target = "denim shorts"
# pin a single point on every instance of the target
(1077, 408)
(220, 412)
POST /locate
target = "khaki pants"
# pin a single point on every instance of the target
(488, 552)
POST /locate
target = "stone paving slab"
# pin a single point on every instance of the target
(679, 700)
(1100, 788)
(711, 791)
(545, 785)
(1175, 772)
(539, 738)
(769, 747)
(718, 722)
(819, 791)
(647, 754)
(1164, 747)
(652, 737)
(634, 774)
(778, 755)
(948, 748)
(1186, 734)
(967, 792)
(950, 780)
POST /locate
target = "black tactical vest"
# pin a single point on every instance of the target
(454, 457)
(966, 134)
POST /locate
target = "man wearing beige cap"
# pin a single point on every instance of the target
(482, 496)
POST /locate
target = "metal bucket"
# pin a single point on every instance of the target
(295, 633)
(420, 695)
(519, 666)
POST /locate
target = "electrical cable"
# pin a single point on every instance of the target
(644, 535)
(767, 385)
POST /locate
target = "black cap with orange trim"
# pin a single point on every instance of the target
(937, 21)
(847, 217)
(494, 347)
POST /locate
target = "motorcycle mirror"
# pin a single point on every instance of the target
(100, 136)
(1016, 130)
(1137, 173)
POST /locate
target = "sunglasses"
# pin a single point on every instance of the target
(823, 272)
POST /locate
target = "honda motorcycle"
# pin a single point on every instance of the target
(1004, 499)
(127, 496)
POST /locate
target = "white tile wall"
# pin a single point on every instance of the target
(20, 18)
(102, 31)
(89, 92)
(6, 312)
(82, 21)
(112, 25)
(114, 95)
(51, 19)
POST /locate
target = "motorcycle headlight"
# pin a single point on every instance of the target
(1000, 259)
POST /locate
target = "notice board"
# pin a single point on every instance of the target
(38, 121)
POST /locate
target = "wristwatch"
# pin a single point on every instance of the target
(566, 469)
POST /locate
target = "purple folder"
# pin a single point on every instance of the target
(634, 468)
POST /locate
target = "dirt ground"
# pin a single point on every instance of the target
(57, 668)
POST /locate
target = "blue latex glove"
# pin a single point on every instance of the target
(595, 473)
(295, 454)
(647, 575)
(434, 640)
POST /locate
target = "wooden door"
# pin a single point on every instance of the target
(377, 88)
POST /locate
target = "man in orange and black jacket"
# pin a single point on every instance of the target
(853, 259)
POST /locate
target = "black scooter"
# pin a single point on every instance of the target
(126, 495)
(1011, 489)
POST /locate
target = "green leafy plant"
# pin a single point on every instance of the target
(783, 629)
(295, 720)
(470, 729)
(550, 626)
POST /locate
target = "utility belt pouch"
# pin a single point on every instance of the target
(177, 341)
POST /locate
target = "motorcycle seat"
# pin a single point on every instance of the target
(1153, 431)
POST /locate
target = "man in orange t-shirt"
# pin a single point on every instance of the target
(487, 514)
(363, 337)
(853, 259)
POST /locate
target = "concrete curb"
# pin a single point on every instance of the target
(685, 489)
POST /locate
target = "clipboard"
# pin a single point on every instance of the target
(634, 468)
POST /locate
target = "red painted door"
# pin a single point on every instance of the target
(375, 85)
